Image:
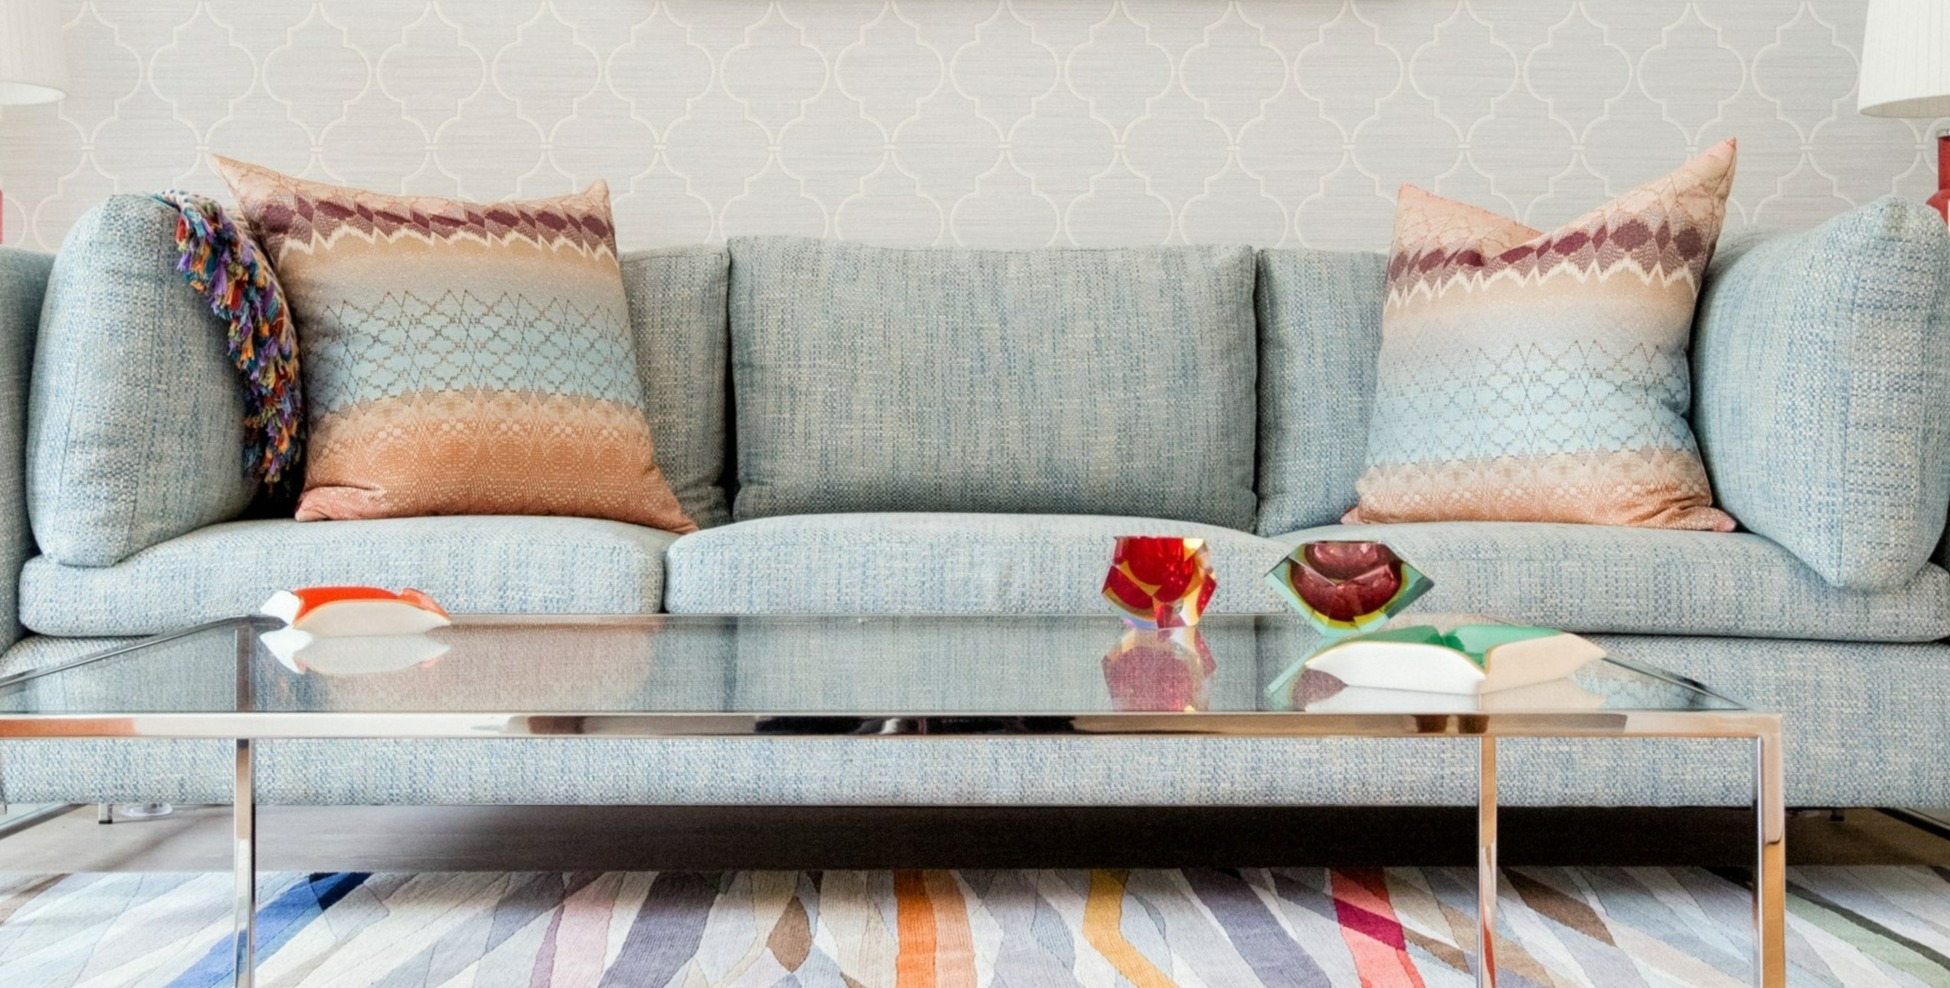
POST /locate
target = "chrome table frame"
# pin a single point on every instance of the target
(245, 726)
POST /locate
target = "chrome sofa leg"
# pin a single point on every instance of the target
(105, 812)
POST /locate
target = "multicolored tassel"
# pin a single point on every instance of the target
(223, 264)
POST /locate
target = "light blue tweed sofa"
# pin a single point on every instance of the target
(867, 430)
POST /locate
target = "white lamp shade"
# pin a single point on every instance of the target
(33, 66)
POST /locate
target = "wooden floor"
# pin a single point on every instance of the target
(476, 838)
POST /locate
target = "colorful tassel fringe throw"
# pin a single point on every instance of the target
(224, 265)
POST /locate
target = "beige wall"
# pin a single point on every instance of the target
(981, 123)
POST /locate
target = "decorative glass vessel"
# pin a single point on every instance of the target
(1160, 581)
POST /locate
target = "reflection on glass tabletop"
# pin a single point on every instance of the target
(843, 666)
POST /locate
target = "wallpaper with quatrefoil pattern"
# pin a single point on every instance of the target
(977, 122)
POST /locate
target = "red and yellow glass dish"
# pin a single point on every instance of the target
(1160, 670)
(1344, 587)
(1160, 581)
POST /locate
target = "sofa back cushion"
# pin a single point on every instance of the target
(1319, 336)
(1821, 362)
(23, 286)
(1054, 381)
(677, 313)
(136, 416)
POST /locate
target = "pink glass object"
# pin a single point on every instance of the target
(1160, 670)
(1941, 201)
(1160, 581)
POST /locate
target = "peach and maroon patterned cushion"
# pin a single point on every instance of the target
(460, 358)
(1529, 376)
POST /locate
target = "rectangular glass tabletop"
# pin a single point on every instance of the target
(669, 676)
(813, 675)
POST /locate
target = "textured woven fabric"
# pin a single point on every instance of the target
(932, 663)
(1839, 700)
(1825, 357)
(677, 312)
(1649, 581)
(937, 564)
(460, 358)
(135, 420)
(23, 285)
(44, 652)
(176, 768)
(1287, 927)
(474, 564)
(1528, 376)
(1319, 336)
(171, 673)
(1114, 382)
(1843, 705)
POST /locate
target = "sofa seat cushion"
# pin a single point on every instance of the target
(470, 564)
(1840, 699)
(937, 564)
(1648, 581)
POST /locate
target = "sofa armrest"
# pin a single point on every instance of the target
(23, 283)
(1821, 378)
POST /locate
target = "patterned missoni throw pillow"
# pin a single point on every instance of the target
(1529, 376)
(459, 358)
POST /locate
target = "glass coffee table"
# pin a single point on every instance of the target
(870, 678)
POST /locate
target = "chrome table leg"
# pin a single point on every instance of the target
(1486, 865)
(244, 821)
(1770, 863)
(28, 821)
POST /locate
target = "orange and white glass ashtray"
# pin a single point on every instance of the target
(350, 631)
(334, 612)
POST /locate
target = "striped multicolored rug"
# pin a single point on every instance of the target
(1651, 927)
